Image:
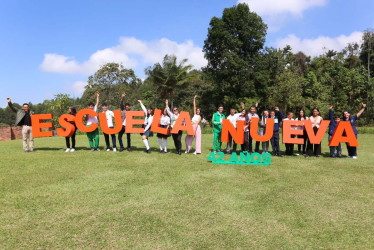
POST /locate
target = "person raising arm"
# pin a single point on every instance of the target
(196, 119)
(148, 112)
(177, 138)
(23, 118)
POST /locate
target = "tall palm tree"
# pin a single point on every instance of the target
(170, 75)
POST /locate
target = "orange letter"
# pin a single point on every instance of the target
(237, 134)
(104, 123)
(268, 131)
(179, 124)
(156, 123)
(130, 121)
(287, 132)
(37, 125)
(79, 120)
(64, 121)
(337, 137)
(316, 139)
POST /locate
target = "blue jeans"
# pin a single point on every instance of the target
(332, 149)
(106, 136)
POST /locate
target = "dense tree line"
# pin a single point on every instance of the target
(240, 69)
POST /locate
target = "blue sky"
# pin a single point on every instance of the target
(50, 47)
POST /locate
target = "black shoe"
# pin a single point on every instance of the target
(333, 156)
(121, 149)
(161, 151)
(279, 155)
(340, 156)
(129, 149)
(180, 152)
(317, 156)
(306, 156)
(148, 151)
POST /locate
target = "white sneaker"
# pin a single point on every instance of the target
(98, 149)
(354, 157)
(195, 153)
(297, 154)
(114, 150)
(67, 150)
(108, 150)
(72, 150)
(186, 152)
(165, 150)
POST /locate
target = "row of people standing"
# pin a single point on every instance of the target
(245, 116)
(167, 120)
(307, 149)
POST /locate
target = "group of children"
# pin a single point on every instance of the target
(169, 117)
(167, 120)
(307, 149)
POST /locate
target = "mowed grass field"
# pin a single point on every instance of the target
(53, 199)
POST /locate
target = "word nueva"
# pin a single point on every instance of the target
(245, 158)
(343, 132)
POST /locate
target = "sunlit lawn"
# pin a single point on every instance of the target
(53, 199)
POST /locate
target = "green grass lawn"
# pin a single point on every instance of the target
(53, 199)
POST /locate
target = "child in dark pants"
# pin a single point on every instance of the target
(124, 108)
(290, 146)
(109, 118)
(316, 120)
(302, 117)
(352, 151)
(277, 115)
(72, 111)
(333, 123)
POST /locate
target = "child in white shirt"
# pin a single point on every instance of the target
(109, 119)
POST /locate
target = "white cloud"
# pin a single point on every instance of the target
(276, 12)
(49, 95)
(76, 88)
(276, 7)
(131, 52)
(319, 45)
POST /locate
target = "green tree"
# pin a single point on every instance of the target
(9, 117)
(287, 93)
(270, 63)
(367, 51)
(59, 105)
(111, 80)
(231, 48)
(170, 76)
